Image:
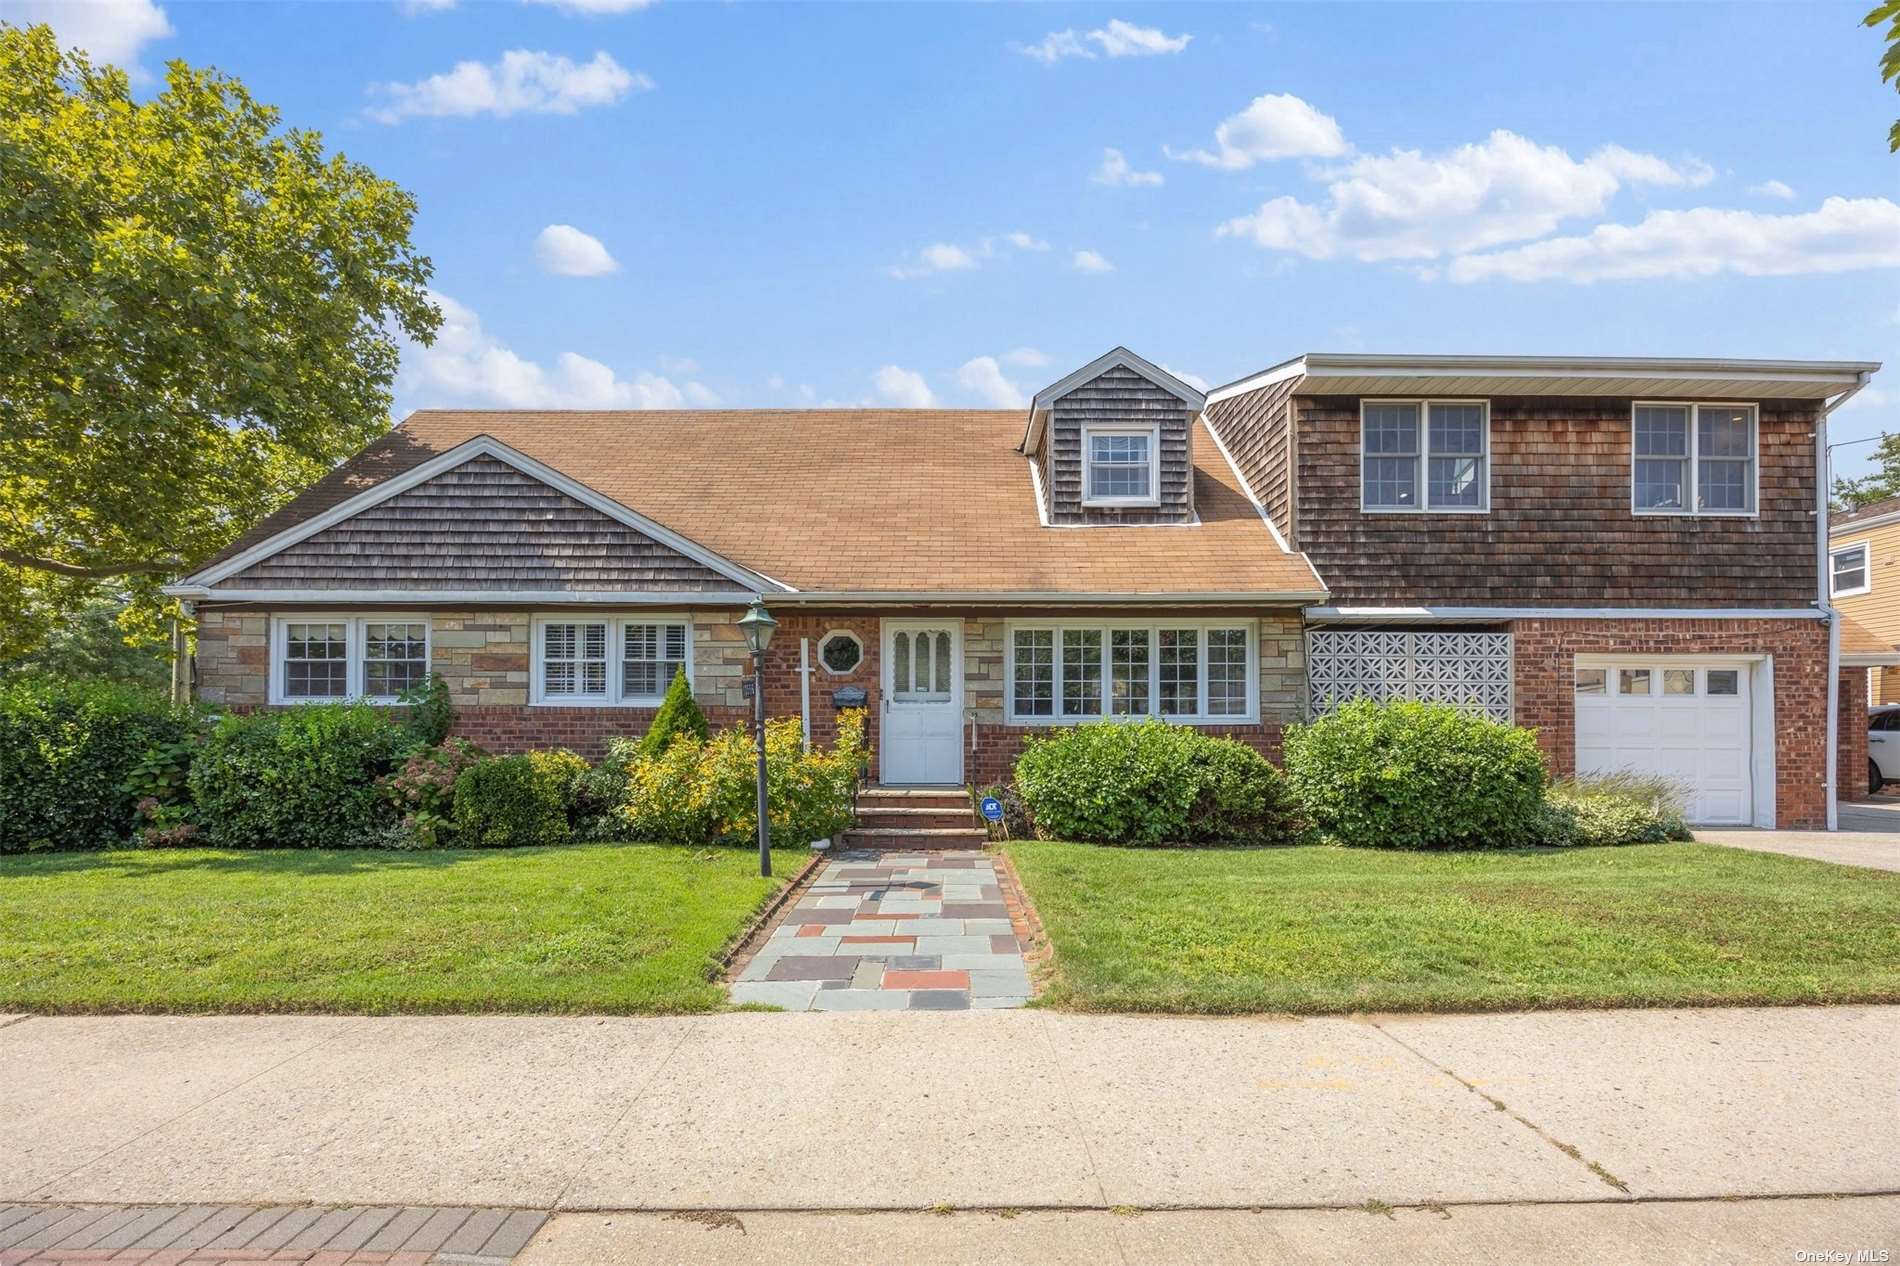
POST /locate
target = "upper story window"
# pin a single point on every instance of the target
(1425, 455)
(1183, 671)
(1119, 466)
(324, 658)
(599, 660)
(1852, 574)
(1693, 459)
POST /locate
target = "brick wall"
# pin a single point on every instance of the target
(1545, 654)
(1850, 761)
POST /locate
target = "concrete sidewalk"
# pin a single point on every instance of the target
(976, 1110)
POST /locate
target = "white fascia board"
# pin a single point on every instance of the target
(1870, 659)
(466, 597)
(1265, 378)
(1119, 357)
(468, 450)
(1032, 597)
(1851, 527)
(1423, 615)
(1336, 364)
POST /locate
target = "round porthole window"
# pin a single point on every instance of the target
(841, 652)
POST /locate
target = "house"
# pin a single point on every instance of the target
(1864, 574)
(1624, 554)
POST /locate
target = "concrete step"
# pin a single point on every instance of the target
(902, 838)
(913, 798)
(876, 816)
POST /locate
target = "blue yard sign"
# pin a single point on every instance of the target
(992, 808)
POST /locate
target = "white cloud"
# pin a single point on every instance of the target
(1773, 189)
(1117, 39)
(949, 257)
(1411, 205)
(1844, 235)
(904, 388)
(1091, 262)
(1028, 357)
(1193, 380)
(522, 82)
(1277, 125)
(110, 31)
(984, 377)
(566, 251)
(1116, 171)
(468, 366)
(595, 8)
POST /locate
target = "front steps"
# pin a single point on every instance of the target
(915, 818)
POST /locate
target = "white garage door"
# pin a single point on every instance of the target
(1689, 723)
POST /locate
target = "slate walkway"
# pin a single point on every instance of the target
(216, 1234)
(893, 932)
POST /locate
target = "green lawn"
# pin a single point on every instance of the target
(593, 928)
(1329, 930)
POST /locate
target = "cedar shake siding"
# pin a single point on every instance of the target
(1119, 397)
(482, 525)
(1253, 428)
(1560, 531)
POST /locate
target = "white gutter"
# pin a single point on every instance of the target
(1824, 596)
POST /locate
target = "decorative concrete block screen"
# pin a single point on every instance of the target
(1470, 670)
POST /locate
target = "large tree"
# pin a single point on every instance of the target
(1882, 483)
(1887, 14)
(199, 312)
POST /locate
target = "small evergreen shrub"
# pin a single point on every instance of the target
(303, 777)
(68, 756)
(1417, 775)
(513, 801)
(679, 715)
(431, 714)
(600, 791)
(1608, 809)
(1151, 783)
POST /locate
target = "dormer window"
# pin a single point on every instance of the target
(1119, 466)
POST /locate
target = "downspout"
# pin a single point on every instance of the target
(804, 687)
(1824, 598)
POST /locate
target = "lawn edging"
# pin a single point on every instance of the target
(756, 930)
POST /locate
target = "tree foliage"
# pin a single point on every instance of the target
(1887, 14)
(1884, 482)
(200, 311)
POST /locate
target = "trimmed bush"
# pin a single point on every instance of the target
(1610, 809)
(1417, 775)
(68, 752)
(512, 801)
(303, 777)
(1151, 783)
(679, 715)
(701, 793)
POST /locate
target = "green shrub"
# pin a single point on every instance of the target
(431, 714)
(679, 715)
(600, 791)
(303, 777)
(1609, 809)
(707, 792)
(1417, 775)
(67, 755)
(511, 801)
(1151, 783)
(1017, 824)
(423, 793)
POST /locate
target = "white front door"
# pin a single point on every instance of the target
(1687, 721)
(922, 735)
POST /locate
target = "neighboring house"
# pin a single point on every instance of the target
(1623, 554)
(1864, 566)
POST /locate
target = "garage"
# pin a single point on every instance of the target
(1689, 720)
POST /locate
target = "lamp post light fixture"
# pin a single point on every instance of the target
(758, 625)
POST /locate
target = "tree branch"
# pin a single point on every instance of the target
(100, 572)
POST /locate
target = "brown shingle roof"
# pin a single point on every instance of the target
(1846, 518)
(857, 500)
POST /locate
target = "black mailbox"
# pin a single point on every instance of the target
(848, 697)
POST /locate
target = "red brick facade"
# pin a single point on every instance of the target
(1850, 765)
(1545, 654)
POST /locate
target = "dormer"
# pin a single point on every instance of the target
(1113, 444)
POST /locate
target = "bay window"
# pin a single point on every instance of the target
(1084, 670)
(326, 658)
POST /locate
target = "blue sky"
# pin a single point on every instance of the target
(756, 204)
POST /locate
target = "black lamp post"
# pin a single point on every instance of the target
(757, 624)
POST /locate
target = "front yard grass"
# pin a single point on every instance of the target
(1331, 930)
(594, 928)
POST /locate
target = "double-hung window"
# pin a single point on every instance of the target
(1692, 459)
(1850, 568)
(1081, 671)
(600, 660)
(1120, 466)
(321, 658)
(1425, 455)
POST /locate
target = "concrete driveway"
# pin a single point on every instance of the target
(1869, 836)
(976, 1110)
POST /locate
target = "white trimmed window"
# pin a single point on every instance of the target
(1692, 459)
(607, 660)
(1851, 573)
(327, 658)
(1425, 456)
(1083, 671)
(1120, 466)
